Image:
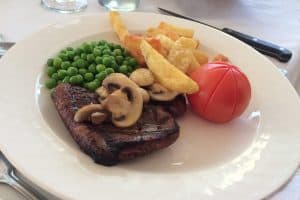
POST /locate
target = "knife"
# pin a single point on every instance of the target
(280, 53)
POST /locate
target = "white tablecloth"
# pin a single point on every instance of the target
(276, 20)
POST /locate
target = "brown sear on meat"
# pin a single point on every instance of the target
(108, 144)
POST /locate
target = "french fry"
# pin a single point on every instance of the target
(220, 58)
(132, 44)
(189, 43)
(166, 73)
(165, 41)
(118, 25)
(179, 30)
(201, 57)
(183, 59)
(153, 32)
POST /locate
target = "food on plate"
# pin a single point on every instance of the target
(171, 31)
(166, 73)
(185, 32)
(118, 25)
(108, 144)
(224, 93)
(220, 58)
(88, 64)
(131, 41)
(120, 103)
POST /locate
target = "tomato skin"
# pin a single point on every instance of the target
(224, 92)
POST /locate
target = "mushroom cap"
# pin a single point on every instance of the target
(160, 93)
(85, 112)
(118, 81)
(142, 77)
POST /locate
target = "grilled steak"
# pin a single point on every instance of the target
(107, 144)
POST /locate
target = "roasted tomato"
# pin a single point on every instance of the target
(224, 92)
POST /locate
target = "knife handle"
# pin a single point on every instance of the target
(267, 48)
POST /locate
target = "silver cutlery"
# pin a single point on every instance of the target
(280, 53)
(8, 176)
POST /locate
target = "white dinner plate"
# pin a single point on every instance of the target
(248, 158)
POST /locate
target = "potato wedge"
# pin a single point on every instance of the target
(166, 73)
(118, 25)
(176, 29)
(201, 57)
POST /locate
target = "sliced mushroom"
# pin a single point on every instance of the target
(125, 102)
(160, 93)
(142, 77)
(84, 113)
(102, 92)
(98, 117)
(117, 103)
(145, 95)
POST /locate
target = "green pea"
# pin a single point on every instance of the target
(82, 71)
(66, 79)
(97, 81)
(63, 51)
(106, 52)
(92, 86)
(125, 62)
(100, 68)
(50, 62)
(117, 52)
(90, 58)
(123, 69)
(132, 62)
(115, 66)
(55, 76)
(63, 56)
(109, 70)
(107, 61)
(71, 54)
(76, 58)
(89, 76)
(78, 51)
(92, 68)
(87, 48)
(119, 59)
(101, 76)
(61, 74)
(57, 62)
(82, 63)
(50, 71)
(50, 83)
(65, 65)
(99, 60)
(69, 48)
(117, 46)
(93, 43)
(101, 42)
(76, 80)
(75, 63)
(83, 56)
(97, 52)
(129, 69)
(72, 71)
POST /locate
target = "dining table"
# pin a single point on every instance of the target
(276, 21)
